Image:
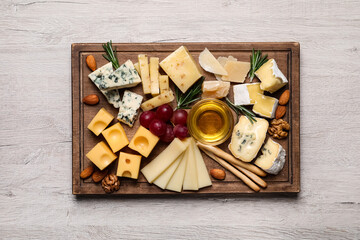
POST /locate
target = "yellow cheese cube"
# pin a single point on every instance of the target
(236, 70)
(164, 83)
(272, 79)
(143, 141)
(101, 155)
(137, 67)
(161, 99)
(181, 68)
(116, 137)
(265, 106)
(145, 74)
(100, 121)
(128, 165)
(154, 76)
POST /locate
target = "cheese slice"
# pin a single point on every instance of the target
(272, 79)
(161, 99)
(157, 166)
(203, 177)
(145, 73)
(222, 61)
(209, 63)
(246, 94)
(236, 70)
(247, 138)
(164, 83)
(177, 179)
(154, 76)
(265, 106)
(181, 68)
(191, 178)
(215, 89)
(273, 157)
(165, 177)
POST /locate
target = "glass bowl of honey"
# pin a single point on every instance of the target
(210, 121)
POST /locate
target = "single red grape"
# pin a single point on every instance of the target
(164, 112)
(180, 131)
(146, 118)
(157, 127)
(179, 117)
(169, 134)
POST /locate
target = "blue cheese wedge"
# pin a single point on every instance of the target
(129, 108)
(98, 77)
(125, 76)
(247, 138)
(272, 159)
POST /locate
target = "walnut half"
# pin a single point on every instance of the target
(277, 128)
(110, 183)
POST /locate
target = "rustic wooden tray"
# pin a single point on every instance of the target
(287, 55)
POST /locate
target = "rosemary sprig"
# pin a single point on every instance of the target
(185, 99)
(240, 109)
(256, 62)
(111, 54)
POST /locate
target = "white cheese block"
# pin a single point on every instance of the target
(177, 179)
(265, 106)
(202, 172)
(165, 177)
(125, 76)
(215, 89)
(272, 79)
(154, 76)
(247, 138)
(157, 166)
(245, 94)
(272, 159)
(191, 179)
(98, 77)
(209, 63)
(129, 107)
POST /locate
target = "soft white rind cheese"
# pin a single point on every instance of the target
(129, 108)
(273, 157)
(247, 138)
(265, 106)
(125, 76)
(272, 79)
(98, 77)
(241, 95)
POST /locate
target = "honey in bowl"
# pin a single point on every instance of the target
(210, 121)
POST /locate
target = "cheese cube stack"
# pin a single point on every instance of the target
(143, 141)
(115, 136)
(101, 155)
(129, 165)
(272, 159)
(101, 120)
(181, 68)
(272, 79)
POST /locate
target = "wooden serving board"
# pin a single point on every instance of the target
(287, 56)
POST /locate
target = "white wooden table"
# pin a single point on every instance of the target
(35, 127)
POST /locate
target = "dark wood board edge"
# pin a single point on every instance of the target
(293, 187)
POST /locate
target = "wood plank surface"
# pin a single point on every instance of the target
(35, 128)
(287, 57)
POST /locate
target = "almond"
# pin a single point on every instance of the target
(284, 98)
(90, 61)
(218, 174)
(87, 172)
(280, 112)
(99, 175)
(91, 99)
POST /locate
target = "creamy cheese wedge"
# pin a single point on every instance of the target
(246, 94)
(272, 158)
(272, 79)
(265, 106)
(247, 138)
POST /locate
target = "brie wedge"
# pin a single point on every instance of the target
(265, 106)
(272, 159)
(246, 94)
(272, 79)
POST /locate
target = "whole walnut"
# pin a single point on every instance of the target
(278, 128)
(110, 183)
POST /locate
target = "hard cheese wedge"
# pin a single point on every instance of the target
(272, 159)
(265, 106)
(163, 160)
(191, 178)
(154, 76)
(161, 99)
(100, 121)
(203, 177)
(247, 138)
(209, 63)
(236, 70)
(101, 155)
(222, 61)
(116, 137)
(272, 79)
(215, 89)
(145, 73)
(181, 68)
(165, 177)
(246, 94)
(176, 181)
